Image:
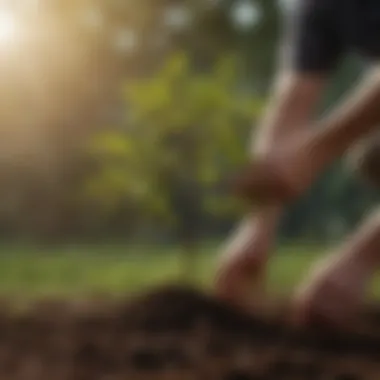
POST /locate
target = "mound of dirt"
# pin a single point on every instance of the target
(178, 333)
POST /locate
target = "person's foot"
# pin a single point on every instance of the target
(333, 292)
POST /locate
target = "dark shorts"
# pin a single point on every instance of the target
(321, 32)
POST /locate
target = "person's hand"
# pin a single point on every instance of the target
(241, 270)
(332, 293)
(282, 175)
(264, 181)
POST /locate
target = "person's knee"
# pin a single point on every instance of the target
(364, 159)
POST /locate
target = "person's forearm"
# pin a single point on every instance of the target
(364, 244)
(358, 116)
(290, 110)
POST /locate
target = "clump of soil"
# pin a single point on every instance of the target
(178, 333)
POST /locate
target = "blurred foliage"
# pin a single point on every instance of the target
(184, 131)
(160, 147)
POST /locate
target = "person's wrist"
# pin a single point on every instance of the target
(262, 227)
(268, 216)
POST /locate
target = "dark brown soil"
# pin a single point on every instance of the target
(178, 334)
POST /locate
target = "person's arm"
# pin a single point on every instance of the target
(314, 51)
(247, 250)
(285, 175)
(291, 107)
(309, 53)
(358, 116)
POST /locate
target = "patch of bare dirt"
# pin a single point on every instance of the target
(177, 333)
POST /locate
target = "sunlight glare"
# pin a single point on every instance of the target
(8, 26)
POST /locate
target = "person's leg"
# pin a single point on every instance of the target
(336, 287)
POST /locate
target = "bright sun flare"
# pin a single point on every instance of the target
(8, 26)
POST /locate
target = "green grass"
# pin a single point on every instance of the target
(30, 272)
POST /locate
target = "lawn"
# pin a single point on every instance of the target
(30, 271)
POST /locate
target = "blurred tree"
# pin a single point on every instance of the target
(62, 85)
(183, 132)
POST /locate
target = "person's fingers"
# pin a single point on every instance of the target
(328, 301)
(308, 312)
(237, 274)
(299, 312)
(240, 280)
